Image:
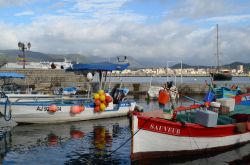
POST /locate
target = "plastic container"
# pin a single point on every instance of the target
(227, 102)
(206, 118)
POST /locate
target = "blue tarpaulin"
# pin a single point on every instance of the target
(104, 66)
(11, 75)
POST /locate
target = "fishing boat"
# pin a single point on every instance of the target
(220, 74)
(154, 90)
(199, 128)
(105, 104)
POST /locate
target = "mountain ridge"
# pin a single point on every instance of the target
(32, 56)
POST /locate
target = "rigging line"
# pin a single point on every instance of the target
(189, 98)
(190, 136)
(130, 137)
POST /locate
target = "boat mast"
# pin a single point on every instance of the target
(217, 46)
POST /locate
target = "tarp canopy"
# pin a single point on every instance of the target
(11, 75)
(103, 66)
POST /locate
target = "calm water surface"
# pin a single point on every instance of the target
(90, 142)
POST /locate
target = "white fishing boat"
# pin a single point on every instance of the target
(188, 131)
(154, 89)
(55, 110)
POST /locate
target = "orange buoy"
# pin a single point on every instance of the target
(97, 109)
(207, 104)
(75, 109)
(108, 99)
(97, 102)
(163, 97)
(53, 108)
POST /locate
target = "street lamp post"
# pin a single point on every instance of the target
(22, 47)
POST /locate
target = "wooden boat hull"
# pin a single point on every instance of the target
(37, 112)
(161, 139)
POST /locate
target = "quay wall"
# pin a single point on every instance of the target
(46, 80)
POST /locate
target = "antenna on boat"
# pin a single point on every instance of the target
(217, 47)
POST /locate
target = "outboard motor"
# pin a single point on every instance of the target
(120, 94)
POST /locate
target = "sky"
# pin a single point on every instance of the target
(155, 31)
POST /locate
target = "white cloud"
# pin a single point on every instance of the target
(7, 3)
(229, 19)
(208, 8)
(115, 32)
(24, 13)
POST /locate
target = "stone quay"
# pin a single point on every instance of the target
(46, 80)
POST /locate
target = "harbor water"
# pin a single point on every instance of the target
(104, 141)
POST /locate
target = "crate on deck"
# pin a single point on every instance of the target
(206, 118)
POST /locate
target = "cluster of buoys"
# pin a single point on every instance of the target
(101, 101)
(76, 109)
(163, 97)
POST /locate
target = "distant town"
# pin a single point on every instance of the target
(179, 72)
(161, 71)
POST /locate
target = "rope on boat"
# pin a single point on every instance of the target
(130, 137)
(186, 97)
(191, 99)
(7, 117)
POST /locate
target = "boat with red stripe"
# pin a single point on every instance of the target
(186, 130)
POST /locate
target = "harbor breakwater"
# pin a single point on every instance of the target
(46, 80)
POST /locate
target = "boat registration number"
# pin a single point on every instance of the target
(246, 98)
(46, 108)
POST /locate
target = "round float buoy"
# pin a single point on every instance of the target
(75, 109)
(207, 104)
(108, 99)
(97, 109)
(102, 107)
(101, 92)
(53, 108)
(96, 96)
(102, 97)
(163, 97)
(97, 102)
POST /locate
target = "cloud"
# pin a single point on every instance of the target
(208, 8)
(112, 32)
(24, 13)
(229, 19)
(8, 3)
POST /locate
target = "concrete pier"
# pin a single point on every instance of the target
(46, 80)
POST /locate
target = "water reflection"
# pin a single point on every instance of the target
(84, 142)
(238, 155)
(91, 142)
